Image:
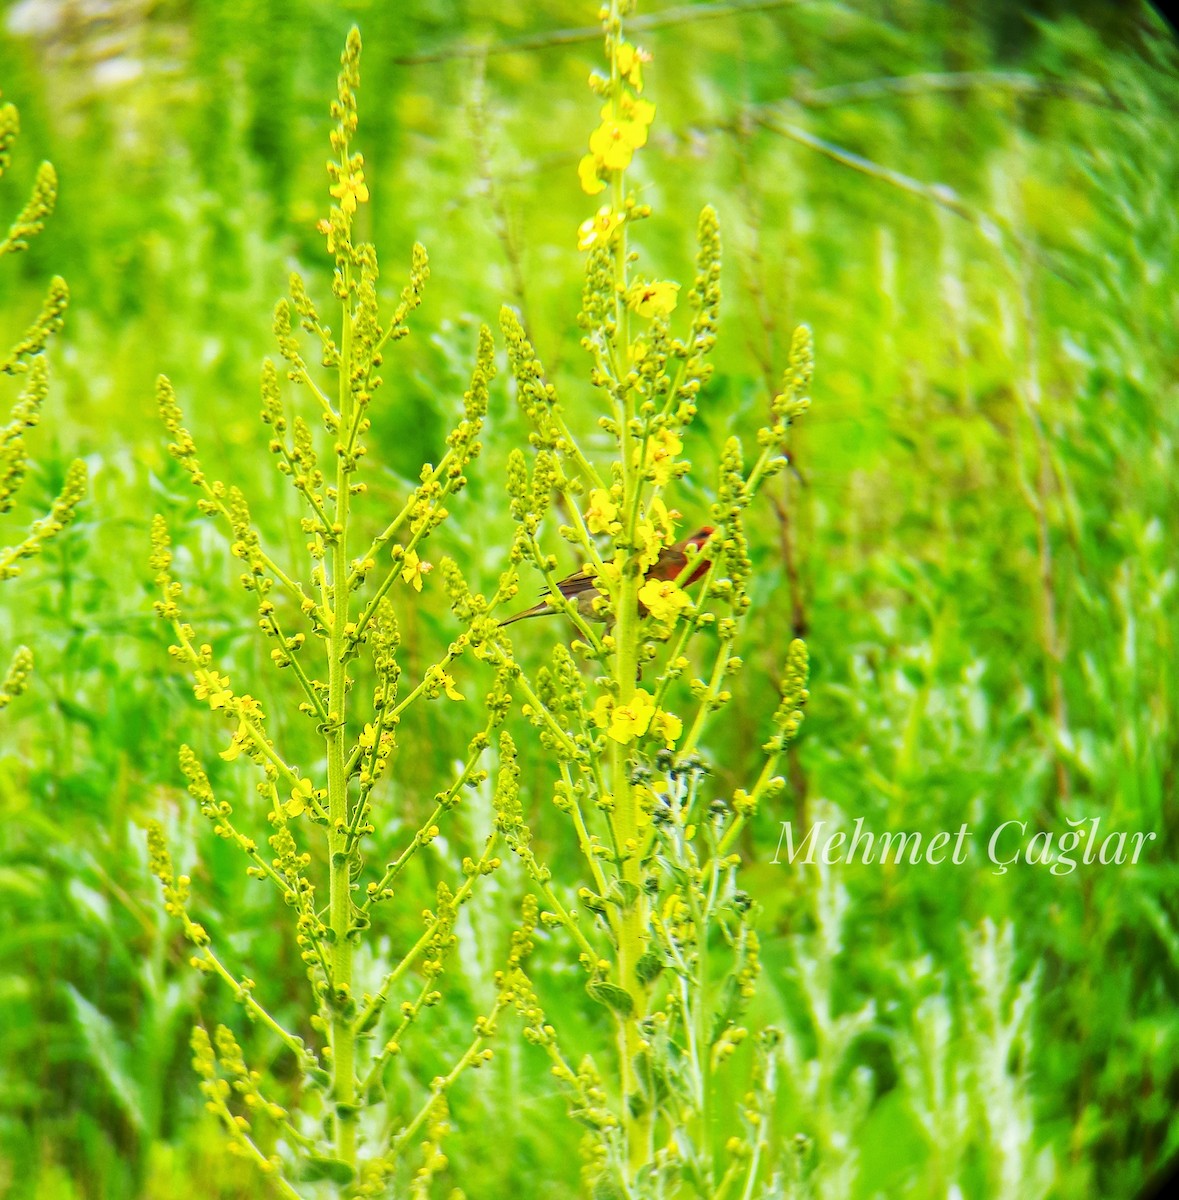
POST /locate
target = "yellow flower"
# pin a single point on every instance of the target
(325, 227)
(587, 172)
(629, 721)
(663, 599)
(602, 710)
(667, 727)
(660, 515)
(598, 228)
(660, 456)
(368, 739)
(614, 143)
(657, 299)
(642, 112)
(300, 794)
(238, 744)
(648, 543)
(601, 516)
(630, 64)
(449, 688)
(414, 569)
(351, 190)
(212, 688)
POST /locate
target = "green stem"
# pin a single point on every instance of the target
(570, 751)
(443, 1084)
(391, 577)
(374, 1004)
(390, 530)
(245, 997)
(583, 837)
(624, 819)
(715, 680)
(343, 1037)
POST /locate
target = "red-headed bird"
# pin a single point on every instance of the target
(579, 587)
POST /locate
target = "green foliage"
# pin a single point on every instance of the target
(973, 211)
(27, 359)
(660, 922)
(348, 1038)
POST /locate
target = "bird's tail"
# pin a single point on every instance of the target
(536, 610)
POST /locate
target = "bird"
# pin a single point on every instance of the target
(579, 587)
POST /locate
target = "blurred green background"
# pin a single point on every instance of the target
(972, 205)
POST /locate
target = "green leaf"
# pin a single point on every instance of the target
(673, 871)
(317, 1077)
(608, 1186)
(108, 1054)
(335, 1170)
(612, 996)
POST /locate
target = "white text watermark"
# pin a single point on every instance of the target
(1008, 844)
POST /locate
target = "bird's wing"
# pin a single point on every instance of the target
(669, 564)
(575, 584)
(570, 587)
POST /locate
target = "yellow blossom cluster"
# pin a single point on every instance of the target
(654, 530)
(438, 681)
(627, 722)
(659, 456)
(602, 514)
(599, 228)
(664, 600)
(249, 712)
(212, 688)
(624, 126)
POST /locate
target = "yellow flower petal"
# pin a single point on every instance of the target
(658, 513)
(414, 569)
(664, 600)
(657, 299)
(667, 727)
(350, 191)
(631, 720)
(601, 515)
(601, 711)
(614, 143)
(587, 172)
(599, 228)
(640, 112)
(659, 459)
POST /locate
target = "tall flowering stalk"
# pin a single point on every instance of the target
(660, 922)
(26, 361)
(329, 631)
